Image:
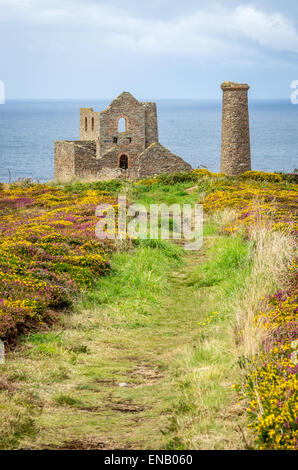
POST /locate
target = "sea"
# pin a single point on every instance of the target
(189, 128)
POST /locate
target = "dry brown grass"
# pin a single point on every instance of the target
(272, 252)
(224, 217)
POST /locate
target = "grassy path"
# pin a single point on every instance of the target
(135, 366)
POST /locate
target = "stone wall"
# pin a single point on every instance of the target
(64, 160)
(151, 128)
(133, 140)
(97, 154)
(111, 159)
(235, 145)
(157, 159)
(75, 159)
(89, 124)
(117, 173)
(85, 162)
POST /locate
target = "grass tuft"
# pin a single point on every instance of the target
(67, 400)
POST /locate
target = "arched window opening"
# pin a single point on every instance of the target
(122, 125)
(123, 162)
(86, 125)
(92, 123)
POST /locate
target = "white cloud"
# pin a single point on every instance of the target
(217, 33)
(270, 30)
(239, 34)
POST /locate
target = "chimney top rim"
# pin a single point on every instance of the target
(234, 86)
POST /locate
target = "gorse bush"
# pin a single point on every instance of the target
(165, 179)
(267, 202)
(272, 202)
(273, 177)
(262, 176)
(48, 251)
(110, 186)
(271, 383)
(49, 254)
(179, 177)
(290, 177)
(173, 178)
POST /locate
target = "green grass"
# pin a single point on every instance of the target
(67, 400)
(143, 325)
(137, 281)
(159, 193)
(206, 401)
(44, 338)
(112, 186)
(229, 265)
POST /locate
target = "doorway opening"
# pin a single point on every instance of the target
(123, 162)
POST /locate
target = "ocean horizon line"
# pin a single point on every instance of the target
(219, 99)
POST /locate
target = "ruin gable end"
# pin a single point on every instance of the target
(113, 144)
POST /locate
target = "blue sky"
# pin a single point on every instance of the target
(152, 48)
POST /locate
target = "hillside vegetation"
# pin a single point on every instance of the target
(140, 344)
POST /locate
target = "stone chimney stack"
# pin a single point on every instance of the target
(235, 142)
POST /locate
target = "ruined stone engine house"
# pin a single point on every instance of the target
(118, 142)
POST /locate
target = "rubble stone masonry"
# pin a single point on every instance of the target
(107, 151)
(235, 144)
